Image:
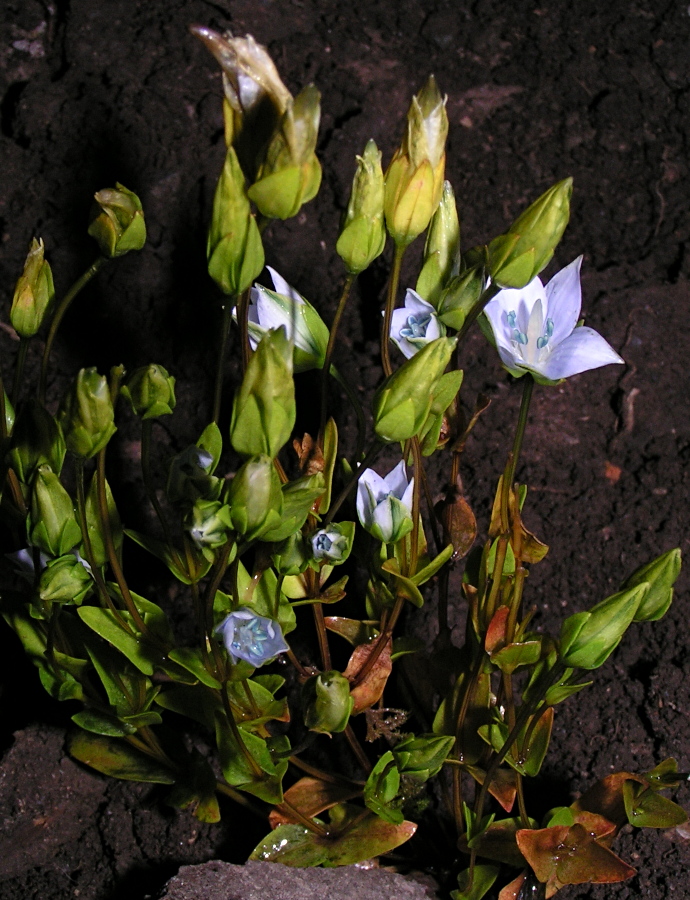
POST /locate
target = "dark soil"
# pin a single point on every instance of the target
(94, 92)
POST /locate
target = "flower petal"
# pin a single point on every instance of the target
(282, 287)
(564, 300)
(417, 305)
(383, 517)
(406, 498)
(396, 481)
(398, 322)
(584, 349)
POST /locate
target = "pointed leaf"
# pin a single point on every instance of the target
(117, 758)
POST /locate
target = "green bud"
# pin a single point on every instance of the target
(291, 174)
(117, 223)
(151, 391)
(660, 575)
(208, 523)
(414, 180)
(587, 639)
(51, 525)
(421, 757)
(234, 248)
(65, 580)
(442, 249)
(403, 402)
(520, 255)
(460, 296)
(263, 412)
(362, 233)
(327, 702)
(36, 440)
(86, 414)
(255, 498)
(190, 477)
(291, 557)
(33, 294)
(9, 413)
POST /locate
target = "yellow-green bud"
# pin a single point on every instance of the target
(208, 523)
(327, 702)
(403, 402)
(255, 498)
(51, 525)
(291, 174)
(587, 639)
(234, 248)
(34, 293)
(461, 294)
(442, 249)
(263, 412)
(421, 757)
(362, 234)
(36, 440)
(86, 414)
(660, 575)
(518, 256)
(117, 222)
(414, 180)
(65, 580)
(151, 391)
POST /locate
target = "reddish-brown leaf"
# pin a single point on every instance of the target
(312, 796)
(496, 632)
(371, 688)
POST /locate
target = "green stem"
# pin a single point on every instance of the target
(81, 282)
(19, 370)
(388, 311)
(477, 310)
(509, 476)
(326, 368)
(240, 798)
(370, 456)
(220, 366)
(416, 504)
(243, 323)
(357, 749)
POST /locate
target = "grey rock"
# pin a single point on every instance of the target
(271, 881)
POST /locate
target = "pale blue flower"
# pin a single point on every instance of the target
(286, 308)
(415, 325)
(329, 543)
(255, 639)
(535, 329)
(384, 505)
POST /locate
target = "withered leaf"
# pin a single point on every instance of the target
(370, 690)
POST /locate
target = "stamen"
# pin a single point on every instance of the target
(416, 327)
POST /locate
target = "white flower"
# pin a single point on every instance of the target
(384, 505)
(286, 308)
(415, 325)
(536, 331)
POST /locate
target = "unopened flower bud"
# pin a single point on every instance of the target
(208, 523)
(384, 505)
(660, 575)
(460, 295)
(255, 498)
(403, 402)
(36, 439)
(290, 557)
(52, 525)
(420, 757)
(518, 256)
(442, 249)
(151, 391)
(587, 639)
(65, 580)
(333, 543)
(414, 180)
(291, 174)
(118, 221)
(190, 477)
(327, 703)
(33, 294)
(362, 234)
(86, 414)
(234, 248)
(263, 412)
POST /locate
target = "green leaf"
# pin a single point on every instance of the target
(191, 659)
(137, 649)
(100, 723)
(298, 498)
(404, 586)
(193, 701)
(196, 789)
(261, 778)
(381, 789)
(645, 808)
(173, 558)
(423, 575)
(211, 440)
(117, 758)
(93, 523)
(510, 657)
(482, 880)
(330, 453)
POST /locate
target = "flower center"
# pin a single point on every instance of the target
(416, 327)
(323, 543)
(250, 636)
(532, 344)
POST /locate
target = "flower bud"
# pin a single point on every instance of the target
(327, 702)
(460, 295)
(263, 412)
(420, 757)
(402, 403)
(333, 543)
(362, 233)
(519, 256)
(118, 221)
(208, 523)
(291, 174)
(255, 498)
(190, 477)
(151, 391)
(442, 249)
(660, 575)
(234, 248)
(290, 556)
(65, 580)
(587, 639)
(86, 414)
(414, 180)
(253, 638)
(33, 294)
(51, 525)
(36, 439)
(384, 505)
